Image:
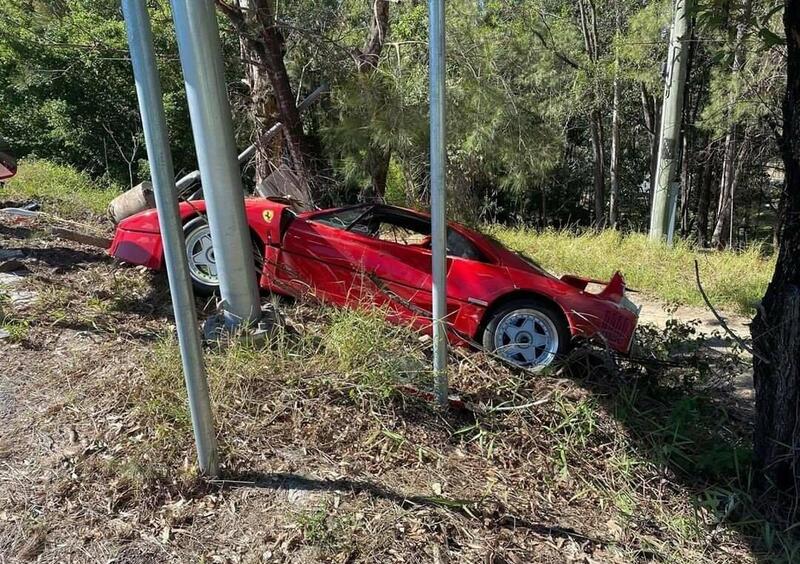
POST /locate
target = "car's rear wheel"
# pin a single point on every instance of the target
(201, 260)
(527, 332)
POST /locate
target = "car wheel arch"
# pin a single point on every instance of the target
(512, 296)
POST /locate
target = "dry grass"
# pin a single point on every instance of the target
(733, 279)
(62, 190)
(325, 461)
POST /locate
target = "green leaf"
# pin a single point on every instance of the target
(770, 39)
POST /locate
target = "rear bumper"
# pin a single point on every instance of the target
(137, 247)
(612, 323)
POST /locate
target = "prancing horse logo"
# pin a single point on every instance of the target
(267, 215)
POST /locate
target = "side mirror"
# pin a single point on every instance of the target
(8, 166)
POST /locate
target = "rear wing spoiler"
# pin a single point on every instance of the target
(614, 289)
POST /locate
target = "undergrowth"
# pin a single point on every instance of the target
(624, 464)
(732, 279)
(62, 190)
(656, 460)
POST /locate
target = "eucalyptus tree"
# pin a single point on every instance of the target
(776, 327)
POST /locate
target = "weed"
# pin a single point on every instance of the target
(17, 330)
(377, 354)
(324, 529)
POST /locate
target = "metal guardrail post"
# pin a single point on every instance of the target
(436, 49)
(148, 90)
(212, 127)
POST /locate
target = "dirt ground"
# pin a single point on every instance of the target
(658, 313)
(71, 367)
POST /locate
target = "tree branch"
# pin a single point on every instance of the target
(730, 332)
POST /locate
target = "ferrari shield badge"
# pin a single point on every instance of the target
(267, 215)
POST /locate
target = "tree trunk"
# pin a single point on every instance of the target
(588, 22)
(262, 114)
(613, 209)
(729, 162)
(370, 56)
(703, 203)
(780, 216)
(274, 44)
(720, 237)
(264, 46)
(378, 161)
(776, 327)
(378, 158)
(599, 170)
(652, 123)
(686, 186)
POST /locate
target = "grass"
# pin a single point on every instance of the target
(15, 329)
(660, 462)
(63, 191)
(732, 279)
(652, 466)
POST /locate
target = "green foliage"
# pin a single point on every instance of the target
(67, 89)
(15, 328)
(65, 192)
(667, 273)
(520, 88)
(351, 340)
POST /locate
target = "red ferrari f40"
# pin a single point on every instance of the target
(380, 255)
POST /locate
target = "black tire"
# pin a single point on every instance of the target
(194, 230)
(543, 316)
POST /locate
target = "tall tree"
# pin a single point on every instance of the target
(613, 204)
(776, 327)
(730, 168)
(588, 20)
(263, 47)
(378, 157)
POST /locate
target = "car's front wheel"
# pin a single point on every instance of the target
(527, 332)
(200, 256)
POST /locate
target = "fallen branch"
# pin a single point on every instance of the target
(82, 238)
(730, 332)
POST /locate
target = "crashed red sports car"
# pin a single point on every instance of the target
(380, 255)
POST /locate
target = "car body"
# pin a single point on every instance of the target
(8, 166)
(379, 255)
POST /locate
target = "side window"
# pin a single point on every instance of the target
(340, 219)
(399, 229)
(401, 234)
(417, 233)
(460, 246)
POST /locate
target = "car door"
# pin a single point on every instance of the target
(323, 260)
(402, 269)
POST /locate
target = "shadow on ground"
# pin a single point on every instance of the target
(466, 508)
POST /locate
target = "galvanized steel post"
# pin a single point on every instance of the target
(148, 90)
(436, 53)
(212, 127)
